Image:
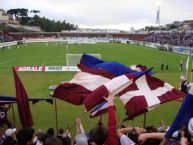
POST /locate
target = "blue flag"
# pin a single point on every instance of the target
(112, 67)
(183, 116)
(99, 109)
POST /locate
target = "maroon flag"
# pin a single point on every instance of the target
(113, 87)
(22, 102)
(146, 93)
(138, 95)
(82, 84)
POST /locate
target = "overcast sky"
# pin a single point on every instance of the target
(111, 14)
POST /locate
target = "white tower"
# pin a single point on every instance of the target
(158, 3)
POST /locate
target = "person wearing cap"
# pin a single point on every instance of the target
(184, 84)
(10, 137)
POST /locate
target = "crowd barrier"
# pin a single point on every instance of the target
(8, 44)
(164, 47)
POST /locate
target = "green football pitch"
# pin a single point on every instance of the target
(37, 83)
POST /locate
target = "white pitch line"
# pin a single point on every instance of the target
(7, 60)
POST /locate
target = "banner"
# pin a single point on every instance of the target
(61, 68)
(47, 68)
(30, 68)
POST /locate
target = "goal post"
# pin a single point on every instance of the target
(74, 59)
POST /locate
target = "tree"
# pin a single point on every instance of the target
(35, 11)
(44, 23)
(13, 12)
(172, 26)
(18, 12)
(23, 12)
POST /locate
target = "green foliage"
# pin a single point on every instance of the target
(35, 11)
(172, 26)
(51, 25)
(45, 24)
(37, 83)
(151, 28)
(19, 12)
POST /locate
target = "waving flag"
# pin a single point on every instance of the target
(138, 67)
(114, 87)
(94, 73)
(111, 67)
(183, 116)
(99, 109)
(146, 93)
(22, 102)
(111, 87)
(82, 84)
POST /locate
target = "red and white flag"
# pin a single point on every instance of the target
(138, 67)
(114, 86)
(82, 84)
(146, 93)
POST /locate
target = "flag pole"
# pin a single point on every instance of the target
(13, 115)
(74, 123)
(56, 114)
(144, 121)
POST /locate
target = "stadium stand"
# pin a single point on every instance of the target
(21, 35)
(175, 39)
(5, 38)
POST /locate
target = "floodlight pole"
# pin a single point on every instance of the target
(158, 16)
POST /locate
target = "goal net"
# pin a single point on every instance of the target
(74, 59)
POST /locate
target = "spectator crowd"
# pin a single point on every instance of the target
(175, 39)
(5, 38)
(114, 134)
